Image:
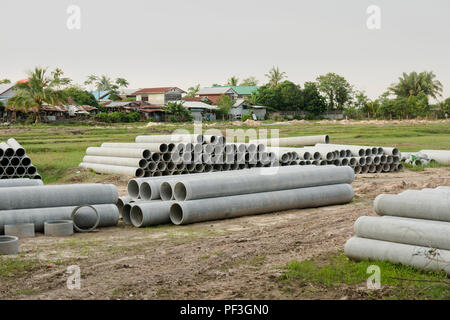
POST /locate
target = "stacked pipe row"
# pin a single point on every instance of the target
(37, 204)
(164, 155)
(413, 230)
(219, 195)
(14, 163)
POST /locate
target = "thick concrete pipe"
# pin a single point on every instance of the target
(7, 150)
(20, 183)
(242, 183)
(153, 147)
(185, 212)
(413, 205)
(415, 256)
(19, 151)
(195, 138)
(145, 214)
(440, 156)
(85, 217)
(111, 169)
(57, 196)
(115, 161)
(119, 152)
(419, 232)
(293, 141)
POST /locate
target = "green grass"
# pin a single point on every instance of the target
(401, 281)
(54, 149)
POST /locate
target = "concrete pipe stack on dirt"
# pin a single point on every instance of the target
(413, 230)
(87, 205)
(440, 156)
(220, 195)
(14, 162)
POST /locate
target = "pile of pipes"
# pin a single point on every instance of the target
(14, 163)
(414, 230)
(25, 201)
(416, 158)
(165, 155)
(219, 195)
(440, 156)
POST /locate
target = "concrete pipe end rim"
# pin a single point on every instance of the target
(180, 191)
(146, 154)
(77, 228)
(176, 213)
(145, 191)
(166, 191)
(136, 216)
(8, 239)
(327, 139)
(59, 222)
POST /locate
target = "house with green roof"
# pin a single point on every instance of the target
(242, 91)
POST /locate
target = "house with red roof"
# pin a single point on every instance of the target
(159, 96)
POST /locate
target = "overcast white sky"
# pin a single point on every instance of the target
(185, 42)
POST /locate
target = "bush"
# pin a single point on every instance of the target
(118, 117)
(246, 117)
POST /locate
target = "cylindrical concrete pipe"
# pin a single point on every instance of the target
(185, 212)
(416, 205)
(123, 201)
(291, 177)
(294, 141)
(416, 256)
(20, 182)
(111, 169)
(145, 214)
(195, 138)
(6, 150)
(57, 196)
(115, 161)
(357, 151)
(153, 147)
(119, 152)
(418, 232)
(85, 217)
(440, 156)
(19, 151)
(9, 245)
(23, 230)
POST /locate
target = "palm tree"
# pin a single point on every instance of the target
(192, 91)
(250, 81)
(275, 76)
(122, 83)
(91, 79)
(414, 83)
(233, 81)
(36, 92)
(58, 78)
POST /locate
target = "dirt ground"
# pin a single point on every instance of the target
(238, 258)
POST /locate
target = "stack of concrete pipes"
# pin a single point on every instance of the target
(440, 156)
(220, 195)
(165, 155)
(14, 163)
(23, 201)
(413, 230)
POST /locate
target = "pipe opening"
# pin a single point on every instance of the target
(126, 210)
(176, 213)
(145, 191)
(146, 154)
(26, 161)
(136, 216)
(163, 147)
(143, 163)
(180, 191)
(20, 152)
(139, 172)
(15, 161)
(165, 191)
(133, 189)
(9, 152)
(327, 139)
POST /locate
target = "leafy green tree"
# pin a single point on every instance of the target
(275, 76)
(336, 90)
(81, 97)
(224, 103)
(40, 89)
(414, 83)
(192, 91)
(177, 112)
(445, 107)
(250, 81)
(233, 81)
(313, 102)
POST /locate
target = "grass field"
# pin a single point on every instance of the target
(55, 149)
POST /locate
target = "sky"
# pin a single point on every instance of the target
(186, 42)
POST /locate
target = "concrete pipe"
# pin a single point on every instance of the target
(57, 196)
(123, 201)
(415, 256)
(324, 155)
(391, 151)
(413, 205)
(7, 151)
(379, 168)
(440, 156)
(372, 168)
(357, 169)
(291, 141)
(356, 151)
(9, 245)
(14, 161)
(145, 214)
(19, 151)
(153, 147)
(292, 177)
(152, 166)
(58, 228)
(119, 152)
(172, 138)
(23, 230)
(418, 232)
(25, 161)
(256, 203)
(126, 162)
(156, 157)
(4, 161)
(20, 183)
(386, 167)
(85, 218)
(111, 169)
(21, 171)
(364, 169)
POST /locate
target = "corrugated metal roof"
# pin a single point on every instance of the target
(242, 90)
(215, 90)
(156, 90)
(5, 87)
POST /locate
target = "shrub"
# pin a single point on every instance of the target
(117, 117)
(246, 117)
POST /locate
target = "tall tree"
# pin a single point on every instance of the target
(224, 103)
(40, 89)
(250, 81)
(192, 91)
(275, 76)
(336, 90)
(233, 81)
(59, 79)
(414, 83)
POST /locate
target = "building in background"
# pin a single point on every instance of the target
(215, 93)
(159, 96)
